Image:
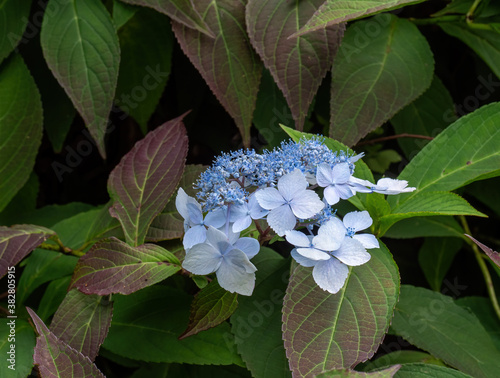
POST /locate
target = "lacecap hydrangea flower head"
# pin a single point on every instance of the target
(293, 189)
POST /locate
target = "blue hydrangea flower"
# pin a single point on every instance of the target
(289, 201)
(194, 224)
(242, 215)
(230, 261)
(329, 253)
(335, 181)
(356, 221)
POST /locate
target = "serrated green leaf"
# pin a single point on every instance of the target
(428, 203)
(183, 11)
(256, 324)
(426, 370)
(20, 126)
(211, 306)
(24, 342)
(55, 358)
(425, 226)
(146, 177)
(334, 12)
(400, 357)
(324, 331)
(435, 258)
(146, 43)
(112, 266)
(466, 151)
(373, 80)
(82, 321)
(298, 65)
(227, 63)
(486, 44)
(13, 20)
(430, 320)
(150, 319)
(386, 373)
(81, 48)
(428, 115)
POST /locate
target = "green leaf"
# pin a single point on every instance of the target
(298, 65)
(82, 321)
(23, 202)
(24, 342)
(211, 306)
(400, 357)
(425, 226)
(182, 11)
(122, 13)
(146, 177)
(112, 266)
(43, 266)
(18, 241)
(81, 48)
(426, 371)
(435, 258)
(486, 44)
(20, 126)
(53, 297)
(428, 203)
(386, 373)
(55, 358)
(333, 12)
(430, 320)
(464, 152)
(154, 318)
(374, 79)
(256, 324)
(13, 20)
(169, 224)
(146, 43)
(102, 226)
(428, 115)
(324, 331)
(227, 63)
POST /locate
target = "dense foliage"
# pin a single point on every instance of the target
(249, 188)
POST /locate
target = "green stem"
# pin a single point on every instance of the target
(470, 13)
(483, 267)
(60, 248)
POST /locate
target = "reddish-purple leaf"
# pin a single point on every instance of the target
(112, 266)
(19, 240)
(227, 63)
(324, 331)
(55, 358)
(493, 255)
(298, 65)
(210, 307)
(385, 373)
(334, 12)
(182, 11)
(142, 183)
(169, 224)
(82, 321)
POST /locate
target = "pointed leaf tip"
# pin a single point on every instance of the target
(493, 255)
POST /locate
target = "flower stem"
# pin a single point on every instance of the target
(60, 248)
(483, 267)
(470, 13)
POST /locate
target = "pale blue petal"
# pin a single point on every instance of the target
(355, 158)
(344, 191)
(298, 239)
(324, 175)
(281, 219)
(360, 186)
(181, 201)
(331, 195)
(291, 185)
(368, 240)
(330, 275)
(238, 211)
(232, 236)
(242, 223)
(195, 235)
(216, 218)
(392, 186)
(341, 173)
(202, 259)
(195, 214)
(352, 253)
(330, 235)
(236, 273)
(269, 198)
(304, 261)
(218, 240)
(357, 220)
(249, 246)
(306, 205)
(256, 211)
(313, 254)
